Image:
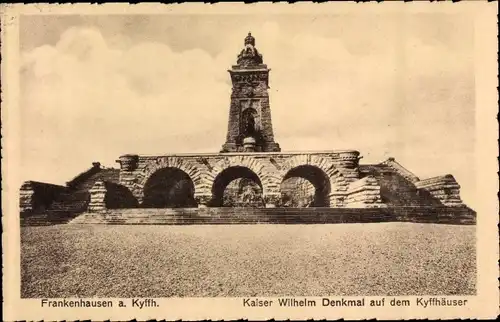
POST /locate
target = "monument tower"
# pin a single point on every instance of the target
(250, 128)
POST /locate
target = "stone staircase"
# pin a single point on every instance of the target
(462, 215)
(70, 203)
(225, 216)
(44, 219)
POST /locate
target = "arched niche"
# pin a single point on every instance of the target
(305, 186)
(247, 188)
(249, 123)
(169, 188)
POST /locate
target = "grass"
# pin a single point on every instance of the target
(248, 260)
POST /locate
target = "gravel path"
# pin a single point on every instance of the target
(248, 260)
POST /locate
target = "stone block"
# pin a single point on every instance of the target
(364, 193)
(444, 189)
(97, 197)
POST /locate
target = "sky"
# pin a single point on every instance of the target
(388, 85)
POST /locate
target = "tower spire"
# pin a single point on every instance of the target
(249, 56)
(250, 127)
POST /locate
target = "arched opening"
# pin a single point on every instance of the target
(249, 123)
(118, 196)
(237, 187)
(305, 186)
(169, 188)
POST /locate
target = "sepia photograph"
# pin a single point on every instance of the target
(199, 114)
(244, 155)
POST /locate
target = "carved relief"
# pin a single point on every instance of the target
(261, 89)
(249, 85)
(249, 56)
(275, 164)
(205, 162)
(249, 78)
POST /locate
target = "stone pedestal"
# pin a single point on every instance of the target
(249, 144)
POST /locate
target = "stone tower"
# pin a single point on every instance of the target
(250, 127)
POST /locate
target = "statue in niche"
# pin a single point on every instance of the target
(249, 124)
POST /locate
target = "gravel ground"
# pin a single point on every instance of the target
(248, 260)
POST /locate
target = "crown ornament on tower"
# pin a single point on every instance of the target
(249, 56)
(249, 40)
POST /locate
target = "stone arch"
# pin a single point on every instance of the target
(338, 184)
(169, 188)
(251, 197)
(337, 180)
(253, 164)
(314, 191)
(155, 164)
(119, 196)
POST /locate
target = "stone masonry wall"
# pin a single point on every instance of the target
(395, 189)
(443, 188)
(364, 193)
(250, 90)
(38, 196)
(340, 167)
(348, 187)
